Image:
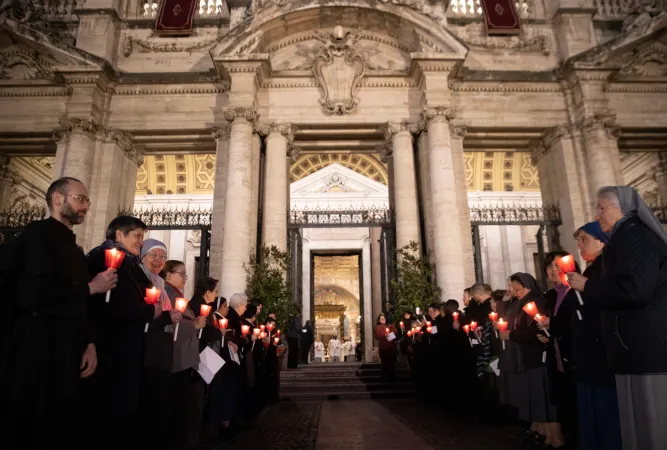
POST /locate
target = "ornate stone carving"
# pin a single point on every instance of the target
(457, 131)
(249, 114)
(437, 113)
(18, 63)
(160, 46)
(33, 15)
(599, 121)
(338, 68)
(649, 61)
(520, 43)
(643, 15)
(434, 10)
(293, 153)
(125, 141)
(553, 135)
(386, 151)
(221, 132)
(68, 124)
(285, 129)
(393, 128)
(538, 151)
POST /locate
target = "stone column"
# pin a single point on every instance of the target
(450, 260)
(368, 305)
(114, 178)
(221, 136)
(602, 157)
(236, 239)
(376, 274)
(425, 185)
(560, 182)
(276, 185)
(405, 185)
(6, 182)
(254, 202)
(305, 282)
(458, 133)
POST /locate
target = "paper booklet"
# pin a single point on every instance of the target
(434, 330)
(209, 364)
(391, 336)
(494, 367)
(234, 356)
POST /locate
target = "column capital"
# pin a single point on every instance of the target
(438, 113)
(293, 153)
(386, 151)
(286, 130)
(545, 145)
(221, 132)
(600, 121)
(67, 125)
(457, 131)
(240, 113)
(125, 142)
(391, 129)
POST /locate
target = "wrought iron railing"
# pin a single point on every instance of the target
(515, 215)
(336, 217)
(172, 218)
(21, 216)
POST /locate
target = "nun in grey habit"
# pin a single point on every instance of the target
(632, 291)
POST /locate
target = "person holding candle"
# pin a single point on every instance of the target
(533, 395)
(185, 359)
(559, 360)
(632, 292)
(46, 293)
(386, 335)
(121, 333)
(155, 397)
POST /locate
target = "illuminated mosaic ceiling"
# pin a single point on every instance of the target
(195, 174)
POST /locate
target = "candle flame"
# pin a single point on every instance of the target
(181, 304)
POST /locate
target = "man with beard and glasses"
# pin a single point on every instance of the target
(47, 338)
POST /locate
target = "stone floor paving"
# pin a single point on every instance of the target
(372, 425)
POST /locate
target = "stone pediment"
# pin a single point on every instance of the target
(639, 55)
(28, 56)
(337, 180)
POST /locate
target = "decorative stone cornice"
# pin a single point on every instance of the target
(221, 132)
(165, 45)
(240, 113)
(67, 125)
(538, 43)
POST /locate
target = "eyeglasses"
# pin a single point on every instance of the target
(80, 198)
(156, 256)
(183, 274)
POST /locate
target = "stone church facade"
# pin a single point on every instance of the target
(580, 96)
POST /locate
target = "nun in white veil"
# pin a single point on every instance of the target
(632, 292)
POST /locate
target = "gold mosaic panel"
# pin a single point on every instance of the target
(500, 171)
(367, 165)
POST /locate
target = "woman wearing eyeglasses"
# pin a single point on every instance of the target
(185, 359)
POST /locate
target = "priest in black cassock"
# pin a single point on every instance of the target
(47, 340)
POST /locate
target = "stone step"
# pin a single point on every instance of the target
(345, 387)
(350, 395)
(301, 373)
(337, 380)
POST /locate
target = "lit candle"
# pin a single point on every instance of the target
(113, 259)
(152, 296)
(256, 331)
(428, 324)
(204, 311)
(538, 318)
(566, 265)
(181, 304)
(455, 315)
(277, 333)
(466, 328)
(409, 333)
(428, 329)
(493, 316)
(502, 326)
(245, 329)
(473, 325)
(530, 309)
(386, 331)
(270, 326)
(418, 329)
(402, 325)
(276, 340)
(262, 334)
(223, 323)
(262, 327)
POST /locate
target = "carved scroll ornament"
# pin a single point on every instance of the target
(338, 68)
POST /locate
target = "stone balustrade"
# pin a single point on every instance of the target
(59, 9)
(619, 9)
(473, 8)
(207, 8)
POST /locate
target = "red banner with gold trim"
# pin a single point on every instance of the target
(175, 16)
(500, 17)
